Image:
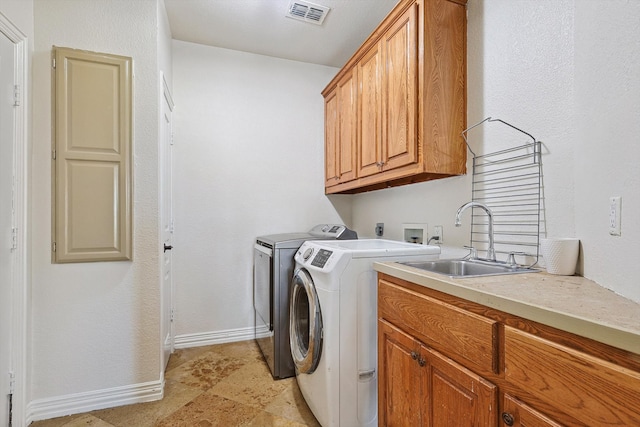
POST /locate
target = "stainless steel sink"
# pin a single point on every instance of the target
(468, 268)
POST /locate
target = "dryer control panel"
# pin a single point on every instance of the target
(333, 231)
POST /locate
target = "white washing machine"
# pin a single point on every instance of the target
(333, 325)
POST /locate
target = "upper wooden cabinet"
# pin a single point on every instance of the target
(369, 101)
(340, 132)
(410, 100)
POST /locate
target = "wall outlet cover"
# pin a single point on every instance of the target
(615, 215)
(438, 232)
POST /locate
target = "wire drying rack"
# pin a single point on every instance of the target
(509, 182)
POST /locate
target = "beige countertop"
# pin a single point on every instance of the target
(570, 303)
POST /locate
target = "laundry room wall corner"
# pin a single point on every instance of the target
(241, 170)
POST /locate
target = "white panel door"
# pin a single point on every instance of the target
(7, 202)
(166, 141)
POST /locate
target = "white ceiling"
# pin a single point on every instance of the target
(260, 26)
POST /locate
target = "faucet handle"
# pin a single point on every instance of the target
(511, 259)
(473, 254)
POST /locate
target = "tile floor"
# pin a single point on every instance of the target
(222, 385)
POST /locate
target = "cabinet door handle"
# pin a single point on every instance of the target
(421, 362)
(507, 418)
(414, 355)
(167, 247)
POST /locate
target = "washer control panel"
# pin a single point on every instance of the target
(321, 258)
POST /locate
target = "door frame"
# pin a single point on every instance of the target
(19, 280)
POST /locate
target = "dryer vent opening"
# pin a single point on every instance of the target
(307, 12)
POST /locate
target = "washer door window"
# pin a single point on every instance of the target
(305, 323)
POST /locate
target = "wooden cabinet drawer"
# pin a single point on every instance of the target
(587, 388)
(469, 338)
(522, 415)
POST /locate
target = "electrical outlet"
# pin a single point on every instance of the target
(380, 229)
(615, 206)
(437, 232)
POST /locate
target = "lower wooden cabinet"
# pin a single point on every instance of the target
(591, 390)
(433, 372)
(401, 385)
(421, 387)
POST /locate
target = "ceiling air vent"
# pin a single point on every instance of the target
(307, 12)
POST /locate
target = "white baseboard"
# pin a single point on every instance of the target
(42, 409)
(219, 337)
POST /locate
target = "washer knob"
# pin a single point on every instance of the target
(307, 254)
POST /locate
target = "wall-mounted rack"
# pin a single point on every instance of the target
(509, 182)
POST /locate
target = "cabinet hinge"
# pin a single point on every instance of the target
(16, 96)
(53, 63)
(171, 226)
(171, 143)
(53, 246)
(53, 154)
(172, 315)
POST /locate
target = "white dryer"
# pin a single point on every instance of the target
(333, 325)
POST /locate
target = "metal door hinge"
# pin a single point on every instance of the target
(53, 154)
(172, 135)
(17, 96)
(53, 246)
(172, 315)
(171, 226)
(14, 238)
(53, 63)
(12, 382)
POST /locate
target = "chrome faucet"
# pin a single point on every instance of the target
(491, 253)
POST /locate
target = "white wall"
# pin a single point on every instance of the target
(607, 155)
(95, 326)
(20, 13)
(248, 161)
(567, 72)
(164, 44)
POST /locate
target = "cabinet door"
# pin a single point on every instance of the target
(418, 386)
(347, 92)
(516, 413)
(92, 169)
(400, 386)
(369, 101)
(457, 396)
(400, 91)
(331, 172)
